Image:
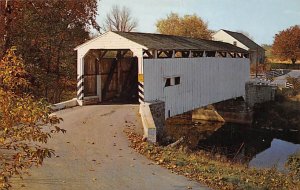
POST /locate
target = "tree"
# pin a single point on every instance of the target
(22, 121)
(45, 34)
(120, 20)
(188, 26)
(6, 10)
(287, 44)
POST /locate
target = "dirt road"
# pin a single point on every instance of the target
(94, 154)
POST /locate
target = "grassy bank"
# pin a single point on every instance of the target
(215, 171)
(293, 164)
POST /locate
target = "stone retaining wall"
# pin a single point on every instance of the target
(259, 93)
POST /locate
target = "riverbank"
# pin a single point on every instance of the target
(282, 115)
(215, 171)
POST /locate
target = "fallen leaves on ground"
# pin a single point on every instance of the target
(219, 174)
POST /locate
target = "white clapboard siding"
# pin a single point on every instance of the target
(203, 81)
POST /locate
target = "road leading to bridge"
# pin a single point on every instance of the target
(94, 155)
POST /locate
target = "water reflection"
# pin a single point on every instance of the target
(258, 147)
(276, 155)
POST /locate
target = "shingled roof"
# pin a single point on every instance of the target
(244, 40)
(169, 42)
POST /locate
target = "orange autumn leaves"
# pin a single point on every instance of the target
(45, 34)
(287, 44)
(23, 119)
(188, 25)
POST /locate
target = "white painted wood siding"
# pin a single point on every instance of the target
(204, 81)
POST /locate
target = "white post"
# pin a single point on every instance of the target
(80, 79)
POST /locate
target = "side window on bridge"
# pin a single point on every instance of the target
(177, 80)
(172, 81)
(168, 82)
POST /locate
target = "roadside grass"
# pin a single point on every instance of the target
(215, 172)
(293, 164)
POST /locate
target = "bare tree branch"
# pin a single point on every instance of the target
(120, 20)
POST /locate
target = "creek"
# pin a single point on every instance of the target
(255, 146)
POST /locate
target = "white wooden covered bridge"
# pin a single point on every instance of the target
(184, 73)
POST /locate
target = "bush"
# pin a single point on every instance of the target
(22, 121)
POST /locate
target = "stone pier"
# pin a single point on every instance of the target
(259, 93)
(153, 119)
(231, 111)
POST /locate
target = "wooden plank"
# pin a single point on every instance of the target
(89, 85)
(130, 80)
(109, 79)
(105, 65)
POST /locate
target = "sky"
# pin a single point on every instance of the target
(262, 19)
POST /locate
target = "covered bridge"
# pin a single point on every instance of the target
(184, 73)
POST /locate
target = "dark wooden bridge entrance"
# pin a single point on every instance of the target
(112, 79)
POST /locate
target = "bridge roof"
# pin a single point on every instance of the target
(169, 42)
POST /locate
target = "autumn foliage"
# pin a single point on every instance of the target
(45, 34)
(287, 44)
(25, 122)
(188, 25)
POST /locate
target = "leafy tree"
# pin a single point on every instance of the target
(286, 44)
(23, 119)
(188, 25)
(120, 19)
(45, 34)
